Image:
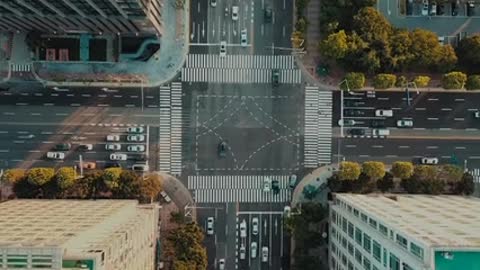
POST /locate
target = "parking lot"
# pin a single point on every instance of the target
(437, 8)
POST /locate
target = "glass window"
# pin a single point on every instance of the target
(366, 242)
(355, 212)
(333, 247)
(407, 267)
(373, 223)
(334, 263)
(364, 218)
(374, 267)
(384, 257)
(350, 229)
(358, 236)
(416, 250)
(366, 264)
(377, 251)
(344, 259)
(349, 208)
(350, 265)
(402, 241)
(344, 225)
(394, 262)
(334, 231)
(344, 242)
(358, 256)
(334, 217)
(350, 248)
(383, 230)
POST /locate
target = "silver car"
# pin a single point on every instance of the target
(135, 138)
(136, 148)
(113, 146)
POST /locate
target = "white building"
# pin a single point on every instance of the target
(404, 232)
(77, 234)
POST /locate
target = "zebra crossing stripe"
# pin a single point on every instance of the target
(476, 175)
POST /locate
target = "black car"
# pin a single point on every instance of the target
(377, 123)
(357, 131)
(353, 113)
(222, 149)
(138, 157)
(454, 9)
(470, 8)
(112, 165)
(63, 147)
(352, 103)
(440, 9)
(275, 77)
(267, 16)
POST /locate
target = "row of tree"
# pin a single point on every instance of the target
(425, 179)
(65, 183)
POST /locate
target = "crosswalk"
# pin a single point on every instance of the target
(476, 175)
(240, 69)
(170, 141)
(20, 67)
(237, 188)
(318, 127)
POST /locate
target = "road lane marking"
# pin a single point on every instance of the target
(396, 109)
(24, 94)
(115, 115)
(47, 104)
(4, 150)
(432, 147)
(446, 109)
(365, 156)
(88, 114)
(134, 96)
(474, 157)
(145, 115)
(47, 142)
(38, 94)
(419, 128)
(446, 157)
(54, 95)
(17, 160)
(75, 105)
(34, 151)
(18, 141)
(70, 95)
(86, 95)
(117, 96)
(149, 96)
(103, 105)
(350, 146)
(460, 147)
(89, 133)
(383, 98)
(472, 110)
(432, 118)
(152, 106)
(420, 109)
(404, 147)
(9, 113)
(61, 114)
(67, 133)
(3, 132)
(22, 132)
(459, 119)
(21, 104)
(377, 146)
(433, 99)
(46, 132)
(391, 156)
(102, 96)
(7, 94)
(445, 129)
(35, 114)
(129, 105)
(459, 99)
(471, 129)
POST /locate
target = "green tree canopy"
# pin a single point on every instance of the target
(402, 169)
(454, 80)
(373, 169)
(465, 186)
(425, 172)
(355, 81)
(468, 51)
(372, 25)
(450, 173)
(40, 176)
(150, 187)
(65, 177)
(335, 46)
(473, 82)
(349, 170)
(12, 176)
(421, 81)
(111, 177)
(186, 243)
(384, 81)
(385, 183)
(128, 186)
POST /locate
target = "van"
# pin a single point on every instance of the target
(140, 167)
(381, 132)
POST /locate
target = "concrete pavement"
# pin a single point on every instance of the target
(316, 178)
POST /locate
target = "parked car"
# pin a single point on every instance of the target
(85, 147)
(476, 114)
(243, 251)
(292, 181)
(140, 167)
(377, 123)
(165, 196)
(354, 113)
(235, 13)
(89, 165)
(113, 138)
(56, 155)
(404, 123)
(454, 8)
(429, 161)
(213, 3)
(425, 8)
(275, 77)
(264, 254)
(384, 113)
(221, 264)
(243, 38)
(63, 147)
(210, 225)
(135, 138)
(113, 146)
(222, 149)
(255, 226)
(433, 9)
(243, 229)
(118, 156)
(253, 250)
(470, 8)
(223, 48)
(346, 122)
(136, 148)
(357, 131)
(380, 132)
(135, 130)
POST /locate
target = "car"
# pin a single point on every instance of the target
(354, 112)
(454, 8)
(135, 130)
(409, 7)
(113, 138)
(235, 13)
(243, 38)
(267, 184)
(139, 157)
(267, 14)
(287, 211)
(346, 122)
(433, 9)
(113, 146)
(404, 123)
(377, 123)
(63, 147)
(255, 226)
(470, 8)
(89, 165)
(221, 264)
(213, 3)
(253, 250)
(352, 103)
(425, 8)
(136, 148)
(441, 9)
(292, 181)
(223, 48)
(85, 147)
(118, 156)
(243, 229)
(222, 149)
(275, 77)
(357, 131)
(380, 132)
(243, 250)
(264, 254)
(429, 160)
(112, 165)
(165, 196)
(140, 167)
(210, 225)
(384, 113)
(135, 138)
(56, 155)
(476, 114)
(275, 186)
(227, 12)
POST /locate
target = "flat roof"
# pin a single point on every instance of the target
(436, 221)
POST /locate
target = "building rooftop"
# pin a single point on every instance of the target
(437, 221)
(66, 223)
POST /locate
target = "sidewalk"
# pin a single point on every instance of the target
(316, 178)
(422, 133)
(160, 68)
(179, 194)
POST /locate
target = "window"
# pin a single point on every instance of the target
(349, 208)
(406, 267)
(344, 259)
(364, 218)
(374, 267)
(334, 232)
(350, 229)
(344, 225)
(383, 230)
(350, 248)
(350, 265)
(416, 250)
(358, 256)
(334, 263)
(384, 257)
(334, 217)
(355, 212)
(394, 262)
(373, 223)
(344, 242)
(366, 264)
(366, 242)
(402, 241)
(358, 236)
(377, 251)
(333, 247)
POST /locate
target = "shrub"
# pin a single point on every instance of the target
(373, 169)
(402, 169)
(473, 82)
(12, 176)
(401, 81)
(354, 80)
(40, 176)
(384, 81)
(454, 80)
(349, 170)
(421, 81)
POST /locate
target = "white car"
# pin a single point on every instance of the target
(476, 114)
(136, 148)
(223, 48)
(213, 3)
(113, 138)
(384, 113)
(267, 184)
(433, 9)
(243, 229)
(235, 13)
(56, 155)
(264, 254)
(113, 146)
(425, 8)
(221, 264)
(242, 252)
(118, 156)
(404, 123)
(243, 38)
(135, 130)
(346, 122)
(292, 181)
(253, 250)
(429, 161)
(255, 226)
(287, 210)
(135, 138)
(210, 222)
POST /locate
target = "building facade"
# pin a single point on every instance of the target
(71, 234)
(404, 232)
(82, 16)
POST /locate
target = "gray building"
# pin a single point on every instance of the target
(120, 17)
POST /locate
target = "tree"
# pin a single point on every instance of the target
(11, 176)
(111, 177)
(297, 39)
(454, 80)
(421, 81)
(468, 51)
(349, 170)
(386, 182)
(150, 187)
(401, 81)
(335, 45)
(128, 186)
(301, 24)
(65, 177)
(412, 185)
(373, 169)
(40, 176)
(384, 81)
(473, 82)
(180, 265)
(402, 169)
(400, 44)
(186, 241)
(25, 189)
(426, 51)
(433, 186)
(354, 80)
(425, 172)
(447, 59)
(465, 186)
(334, 183)
(450, 173)
(371, 25)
